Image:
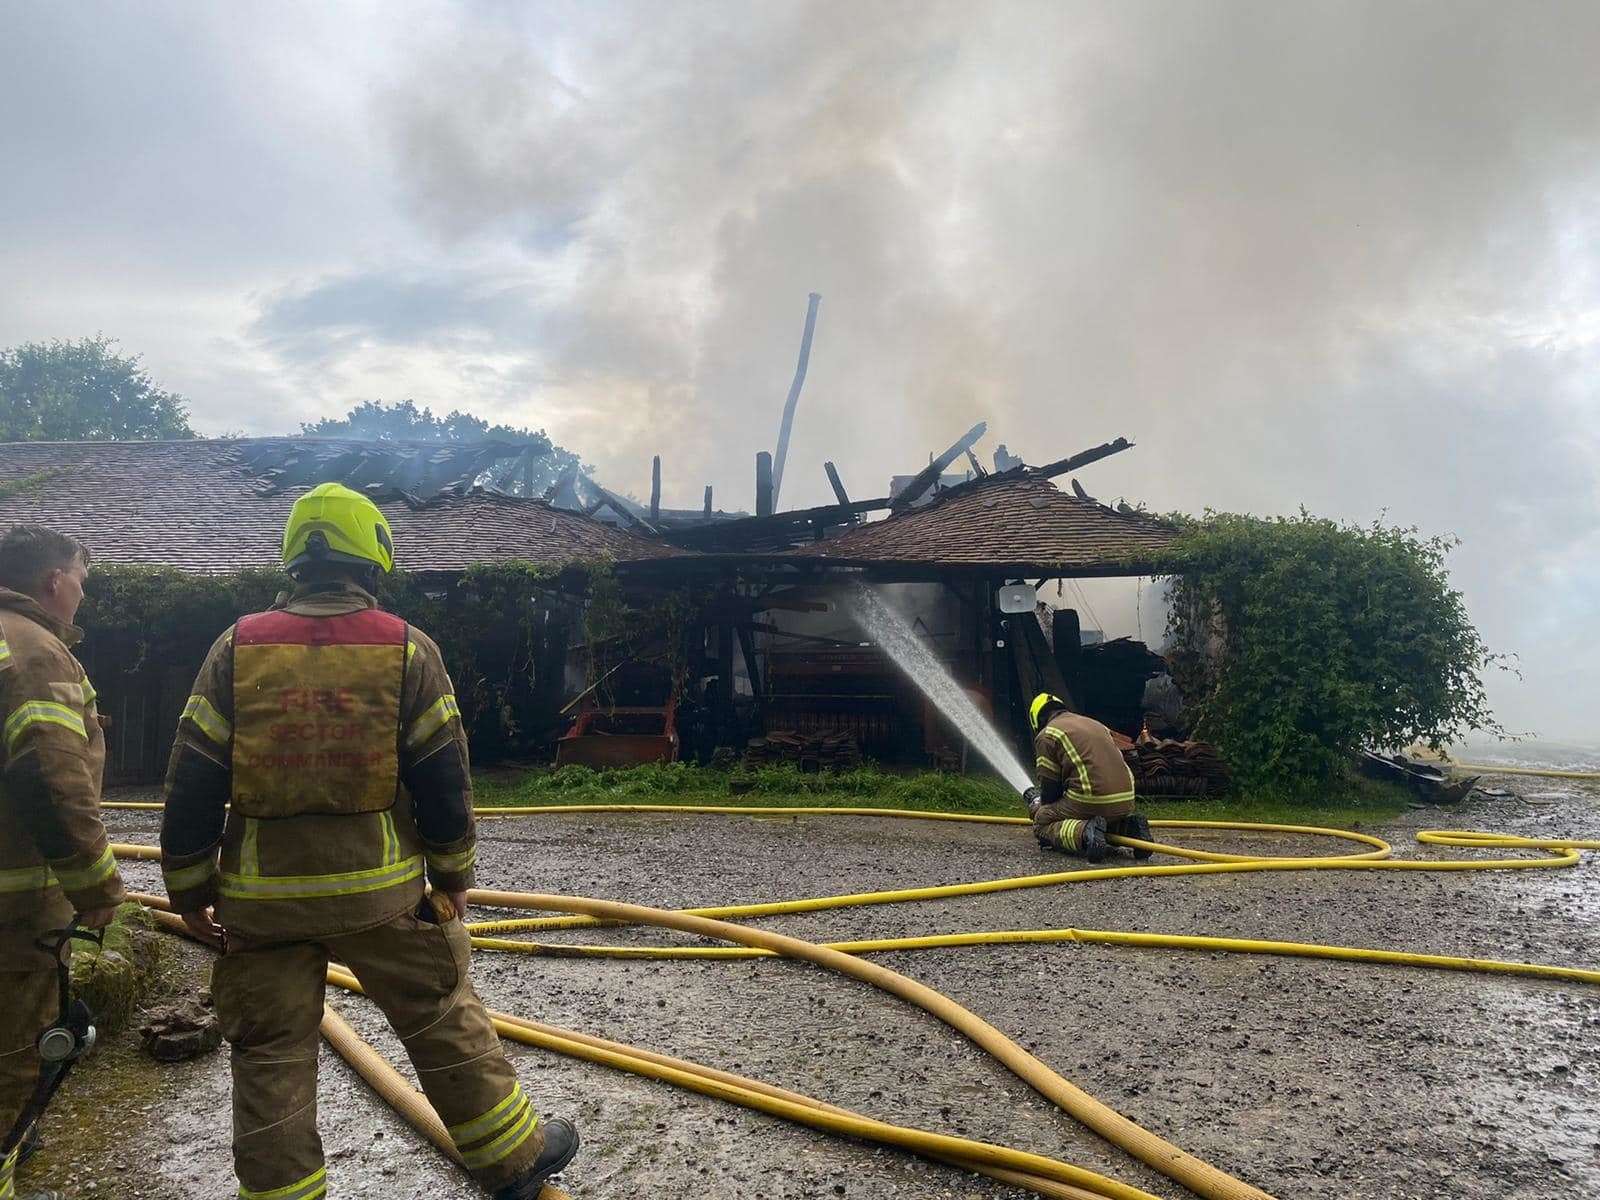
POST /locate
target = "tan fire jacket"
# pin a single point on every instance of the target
(54, 856)
(292, 865)
(1075, 754)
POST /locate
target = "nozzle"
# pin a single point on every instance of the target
(1031, 798)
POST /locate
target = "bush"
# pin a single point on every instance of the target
(1300, 641)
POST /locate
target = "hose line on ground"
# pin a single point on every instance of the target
(1044, 1176)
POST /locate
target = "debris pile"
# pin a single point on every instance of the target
(1167, 768)
(809, 752)
(181, 1031)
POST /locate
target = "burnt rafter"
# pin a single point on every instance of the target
(929, 475)
(1083, 458)
(797, 523)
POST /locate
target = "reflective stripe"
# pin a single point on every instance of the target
(1115, 798)
(489, 1122)
(452, 864)
(391, 839)
(5, 654)
(430, 722)
(411, 652)
(250, 849)
(506, 1144)
(208, 720)
(8, 1168)
(26, 879)
(185, 878)
(319, 887)
(41, 712)
(309, 1188)
(102, 869)
(1048, 767)
(89, 694)
(1072, 753)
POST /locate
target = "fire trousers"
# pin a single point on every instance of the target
(270, 998)
(1061, 824)
(29, 1006)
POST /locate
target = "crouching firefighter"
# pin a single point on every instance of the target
(330, 731)
(57, 876)
(1085, 789)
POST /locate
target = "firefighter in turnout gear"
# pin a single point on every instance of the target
(55, 861)
(1085, 789)
(329, 731)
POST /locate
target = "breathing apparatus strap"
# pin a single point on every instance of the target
(73, 1019)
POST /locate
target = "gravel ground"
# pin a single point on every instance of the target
(1313, 1080)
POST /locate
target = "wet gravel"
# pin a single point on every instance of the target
(1316, 1080)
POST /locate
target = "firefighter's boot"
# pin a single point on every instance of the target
(31, 1143)
(1135, 825)
(560, 1144)
(1092, 842)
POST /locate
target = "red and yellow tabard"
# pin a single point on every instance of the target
(317, 708)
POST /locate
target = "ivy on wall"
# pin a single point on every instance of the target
(504, 629)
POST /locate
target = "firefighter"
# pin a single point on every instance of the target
(329, 731)
(1085, 789)
(55, 861)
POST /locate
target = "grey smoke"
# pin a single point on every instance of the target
(1332, 254)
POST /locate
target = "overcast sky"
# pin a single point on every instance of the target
(1345, 256)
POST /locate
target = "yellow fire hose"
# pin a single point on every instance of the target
(1044, 1176)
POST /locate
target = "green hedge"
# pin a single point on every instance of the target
(1300, 641)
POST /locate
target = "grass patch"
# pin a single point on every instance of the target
(1355, 801)
(1350, 802)
(776, 787)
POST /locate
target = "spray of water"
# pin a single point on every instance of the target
(890, 630)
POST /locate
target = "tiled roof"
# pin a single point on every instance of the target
(194, 505)
(1018, 521)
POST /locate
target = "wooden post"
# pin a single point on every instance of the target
(747, 644)
(839, 494)
(726, 724)
(763, 484)
(707, 513)
(655, 489)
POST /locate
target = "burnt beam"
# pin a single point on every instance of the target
(655, 489)
(838, 486)
(707, 512)
(1084, 457)
(929, 475)
(794, 395)
(763, 484)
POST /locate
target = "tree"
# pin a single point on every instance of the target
(1301, 641)
(84, 391)
(532, 462)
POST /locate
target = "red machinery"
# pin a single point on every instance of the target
(636, 722)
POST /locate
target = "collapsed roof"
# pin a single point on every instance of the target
(211, 506)
(216, 506)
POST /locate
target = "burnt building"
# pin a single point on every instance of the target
(771, 642)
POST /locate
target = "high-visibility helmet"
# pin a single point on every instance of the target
(1036, 710)
(332, 523)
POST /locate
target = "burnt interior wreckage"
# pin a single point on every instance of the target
(779, 668)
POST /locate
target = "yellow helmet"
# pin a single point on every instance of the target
(332, 523)
(1040, 702)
